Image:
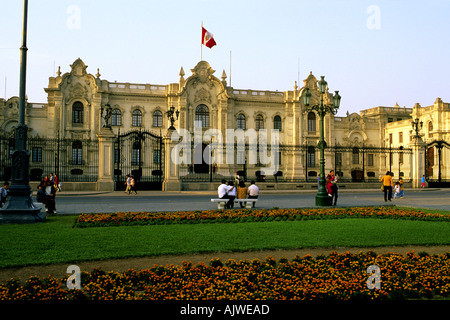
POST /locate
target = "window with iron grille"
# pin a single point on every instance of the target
(311, 157)
(77, 152)
(240, 121)
(77, 112)
(311, 122)
(202, 116)
(136, 118)
(116, 118)
(36, 154)
(157, 119)
(277, 123)
(259, 122)
(136, 153)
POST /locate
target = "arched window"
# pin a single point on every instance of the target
(136, 153)
(77, 112)
(157, 119)
(277, 123)
(240, 121)
(116, 118)
(202, 116)
(77, 152)
(311, 122)
(259, 122)
(136, 118)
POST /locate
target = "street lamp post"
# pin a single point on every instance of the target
(171, 114)
(416, 125)
(322, 198)
(19, 206)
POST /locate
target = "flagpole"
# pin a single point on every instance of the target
(201, 46)
(230, 68)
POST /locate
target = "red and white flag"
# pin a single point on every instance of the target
(207, 39)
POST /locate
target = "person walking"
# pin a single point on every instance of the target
(40, 194)
(50, 203)
(128, 184)
(387, 186)
(402, 189)
(133, 185)
(4, 193)
(423, 181)
(332, 178)
(241, 192)
(253, 191)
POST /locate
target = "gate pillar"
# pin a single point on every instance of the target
(171, 168)
(105, 181)
(418, 161)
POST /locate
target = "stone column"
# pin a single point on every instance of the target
(417, 161)
(171, 167)
(105, 181)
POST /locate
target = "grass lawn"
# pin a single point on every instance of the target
(55, 241)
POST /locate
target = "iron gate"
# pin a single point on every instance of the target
(442, 180)
(141, 155)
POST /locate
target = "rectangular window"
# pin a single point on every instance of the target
(370, 160)
(400, 137)
(36, 155)
(116, 155)
(77, 156)
(338, 159)
(135, 157)
(156, 156)
(311, 159)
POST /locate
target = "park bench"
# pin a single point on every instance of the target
(221, 202)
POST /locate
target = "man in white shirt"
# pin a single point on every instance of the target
(223, 193)
(253, 191)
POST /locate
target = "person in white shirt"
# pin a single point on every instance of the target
(231, 194)
(253, 191)
(224, 193)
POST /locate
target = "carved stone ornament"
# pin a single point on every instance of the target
(202, 95)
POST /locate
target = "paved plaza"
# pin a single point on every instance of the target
(88, 202)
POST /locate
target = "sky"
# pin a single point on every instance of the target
(376, 53)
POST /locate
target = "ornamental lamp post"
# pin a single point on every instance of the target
(19, 207)
(170, 114)
(322, 198)
(415, 125)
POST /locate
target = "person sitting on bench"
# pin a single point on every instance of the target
(223, 191)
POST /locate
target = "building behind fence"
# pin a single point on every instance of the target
(93, 132)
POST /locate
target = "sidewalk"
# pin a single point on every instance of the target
(116, 201)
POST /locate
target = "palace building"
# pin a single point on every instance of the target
(92, 132)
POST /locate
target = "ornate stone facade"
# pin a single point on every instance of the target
(361, 147)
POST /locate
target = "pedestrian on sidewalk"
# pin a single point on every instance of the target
(402, 189)
(50, 203)
(128, 184)
(4, 193)
(133, 185)
(334, 187)
(387, 186)
(423, 181)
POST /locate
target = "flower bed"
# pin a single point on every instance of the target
(336, 276)
(250, 215)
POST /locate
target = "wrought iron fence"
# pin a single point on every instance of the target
(72, 160)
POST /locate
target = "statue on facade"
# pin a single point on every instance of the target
(107, 117)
